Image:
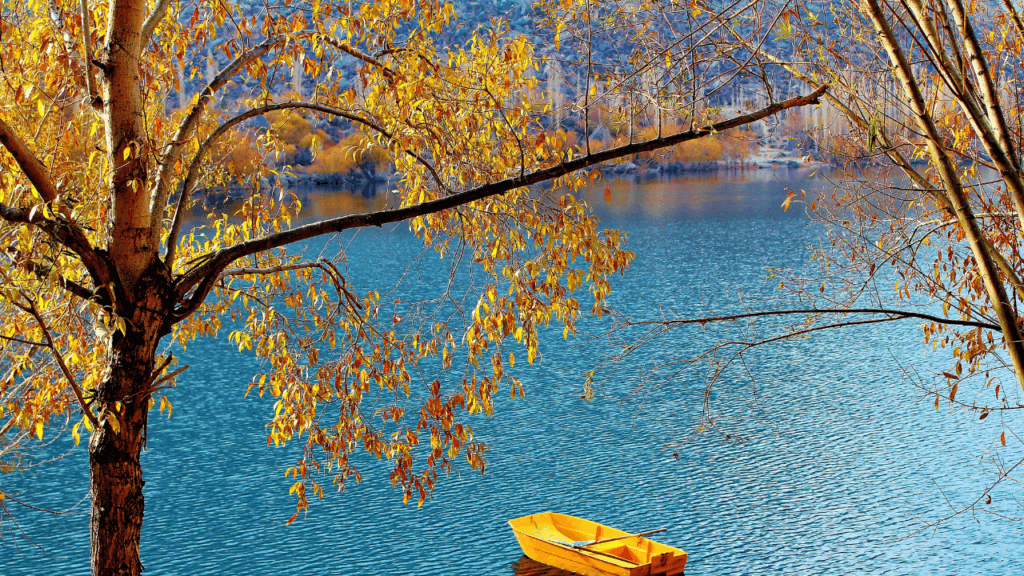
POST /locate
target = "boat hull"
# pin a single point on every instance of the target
(547, 538)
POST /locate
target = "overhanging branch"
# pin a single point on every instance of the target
(891, 315)
(192, 175)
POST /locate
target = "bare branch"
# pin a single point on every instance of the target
(19, 341)
(90, 69)
(358, 55)
(156, 385)
(892, 315)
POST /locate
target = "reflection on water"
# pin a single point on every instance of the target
(697, 196)
(326, 203)
(526, 567)
(689, 196)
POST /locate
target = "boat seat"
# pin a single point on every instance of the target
(622, 551)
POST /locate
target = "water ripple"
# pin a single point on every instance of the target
(841, 465)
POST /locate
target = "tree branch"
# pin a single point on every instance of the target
(893, 153)
(60, 361)
(193, 170)
(357, 55)
(42, 273)
(893, 315)
(173, 149)
(271, 270)
(990, 123)
(69, 236)
(1015, 16)
(951, 183)
(90, 77)
(156, 385)
(27, 161)
(154, 18)
(203, 276)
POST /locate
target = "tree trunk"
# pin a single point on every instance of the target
(957, 196)
(114, 459)
(116, 472)
(142, 303)
(122, 404)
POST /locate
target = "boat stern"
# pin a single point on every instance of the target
(668, 563)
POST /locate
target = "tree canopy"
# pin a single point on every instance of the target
(114, 253)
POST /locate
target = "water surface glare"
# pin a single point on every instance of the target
(844, 458)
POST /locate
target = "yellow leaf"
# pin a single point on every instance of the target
(165, 403)
(114, 424)
(39, 430)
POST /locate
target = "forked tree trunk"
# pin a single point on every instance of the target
(988, 271)
(142, 303)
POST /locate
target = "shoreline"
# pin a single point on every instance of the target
(370, 184)
(767, 158)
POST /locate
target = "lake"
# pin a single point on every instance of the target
(844, 461)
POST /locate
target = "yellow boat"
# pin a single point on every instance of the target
(586, 547)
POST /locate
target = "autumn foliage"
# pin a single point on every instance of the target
(103, 268)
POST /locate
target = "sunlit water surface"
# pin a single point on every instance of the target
(844, 462)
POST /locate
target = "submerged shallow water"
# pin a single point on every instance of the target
(844, 463)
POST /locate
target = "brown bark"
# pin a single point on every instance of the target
(114, 449)
(142, 288)
(116, 474)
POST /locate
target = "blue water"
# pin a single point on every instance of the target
(844, 463)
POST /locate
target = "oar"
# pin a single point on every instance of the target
(585, 543)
